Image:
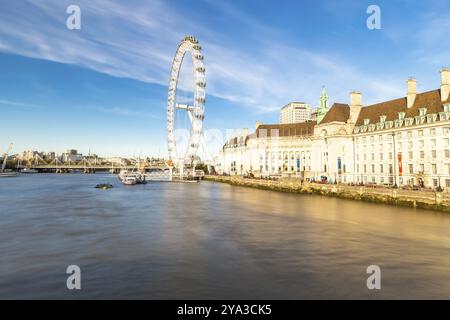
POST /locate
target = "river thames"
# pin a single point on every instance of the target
(211, 241)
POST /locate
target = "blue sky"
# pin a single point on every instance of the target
(103, 88)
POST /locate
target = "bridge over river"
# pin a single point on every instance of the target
(92, 168)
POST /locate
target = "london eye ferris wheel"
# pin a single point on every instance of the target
(186, 154)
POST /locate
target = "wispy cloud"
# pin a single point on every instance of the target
(137, 39)
(127, 112)
(9, 103)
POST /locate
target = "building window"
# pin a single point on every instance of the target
(410, 155)
(434, 168)
(410, 144)
(381, 156)
(373, 168)
(409, 134)
(422, 168)
(422, 154)
(373, 156)
(381, 168)
(447, 153)
(433, 142)
(433, 154)
(411, 168)
(435, 182)
(422, 111)
(432, 131)
(420, 133)
(421, 144)
(365, 168)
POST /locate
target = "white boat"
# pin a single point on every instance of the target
(8, 174)
(158, 175)
(29, 170)
(129, 180)
(131, 177)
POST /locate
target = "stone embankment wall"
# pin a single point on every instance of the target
(417, 199)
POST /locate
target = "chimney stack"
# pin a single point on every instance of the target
(445, 84)
(355, 106)
(412, 92)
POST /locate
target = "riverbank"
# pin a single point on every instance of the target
(415, 199)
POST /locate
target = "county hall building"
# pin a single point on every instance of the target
(399, 142)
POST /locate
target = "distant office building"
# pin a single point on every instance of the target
(72, 151)
(71, 155)
(295, 112)
(49, 156)
(29, 155)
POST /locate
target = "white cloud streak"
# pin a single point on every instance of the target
(9, 103)
(137, 40)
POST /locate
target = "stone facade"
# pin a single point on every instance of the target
(399, 142)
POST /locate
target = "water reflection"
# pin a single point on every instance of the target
(208, 240)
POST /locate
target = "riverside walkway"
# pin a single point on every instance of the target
(393, 196)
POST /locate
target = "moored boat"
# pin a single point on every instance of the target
(8, 174)
(131, 177)
(129, 180)
(29, 170)
(158, 175)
